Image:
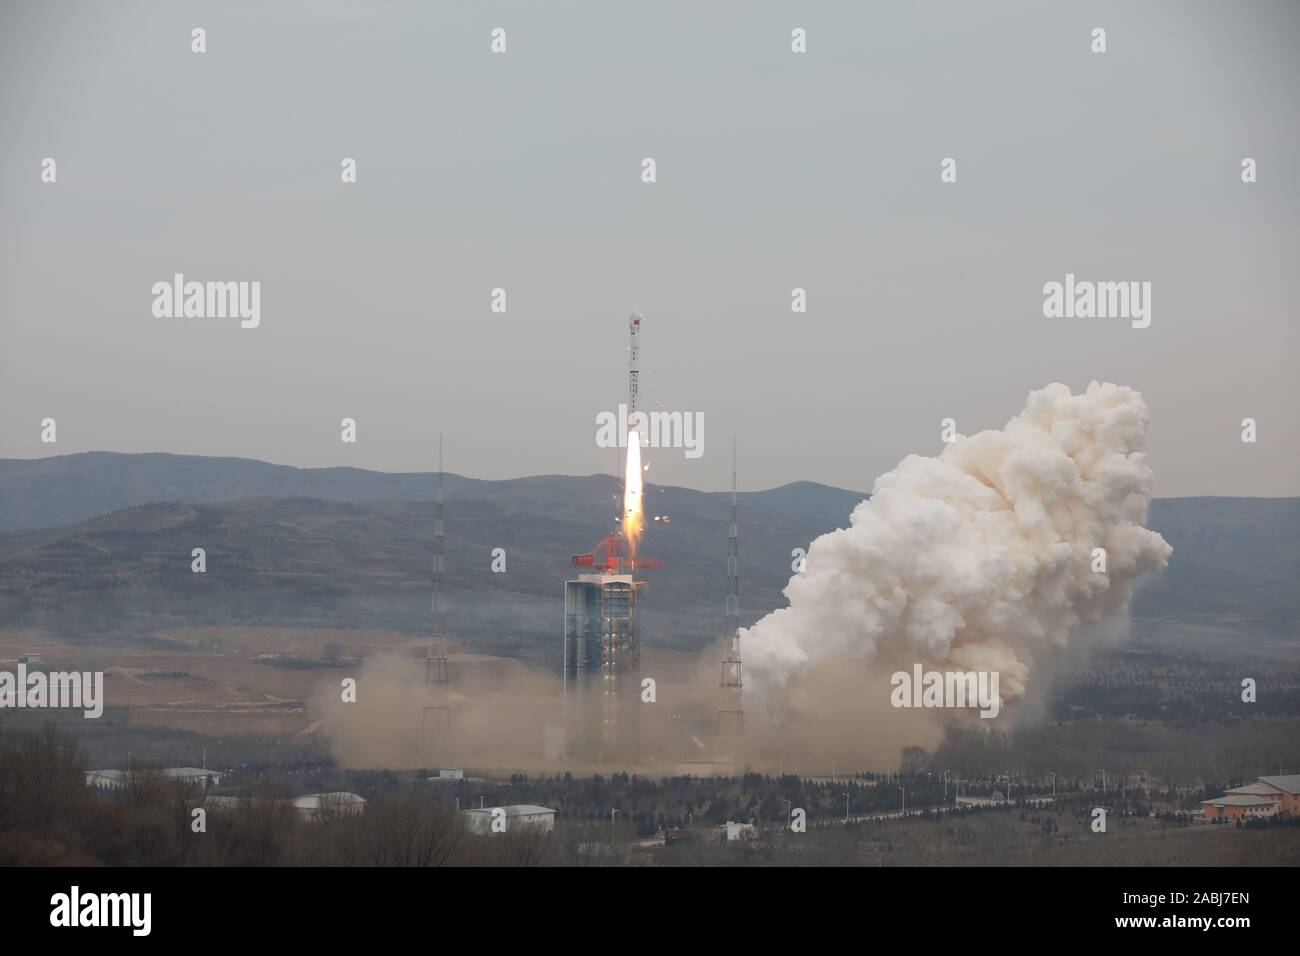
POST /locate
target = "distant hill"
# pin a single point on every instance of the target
(1236, 560)
(53, 492)
(345, 547)
(98, 546)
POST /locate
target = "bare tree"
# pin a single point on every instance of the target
(263, 824)
(410, 830)
(185, 797)
(145, 787)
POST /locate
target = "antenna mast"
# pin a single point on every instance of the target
(731, 714)
(437, 716)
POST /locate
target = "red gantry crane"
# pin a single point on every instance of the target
(605, 558)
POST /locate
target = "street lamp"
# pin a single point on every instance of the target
(904, 789)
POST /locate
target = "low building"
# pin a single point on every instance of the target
(480, 819)
(313, 806)
(1252, 790)
(1238, 806)
(116, 779)
(224, 803)
(674, 835)
(732, 831)
(205, 778)
(1265, 797)
(1286, 789)
(106, 779)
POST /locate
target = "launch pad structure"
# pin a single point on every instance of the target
(602, 653)
(602, 633)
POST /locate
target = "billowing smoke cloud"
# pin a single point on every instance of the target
(979, 559)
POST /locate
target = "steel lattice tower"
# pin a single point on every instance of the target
(731, 713)
(437, 715)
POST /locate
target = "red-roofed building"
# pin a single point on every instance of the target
(1266, 797)
(1238, 807)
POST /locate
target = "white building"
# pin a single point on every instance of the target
(106, 779)
(479, 819)
(116, 779)
(312, 806)
(224, 803)
(207, 778)
(733, 831)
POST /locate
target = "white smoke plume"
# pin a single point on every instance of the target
(979, 559)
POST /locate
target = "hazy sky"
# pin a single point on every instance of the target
(522, 170)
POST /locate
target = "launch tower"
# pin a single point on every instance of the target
(602, 635)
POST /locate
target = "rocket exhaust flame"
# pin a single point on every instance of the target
(632, 517)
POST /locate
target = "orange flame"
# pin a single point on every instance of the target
(632, 517)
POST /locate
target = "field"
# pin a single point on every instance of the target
(1001, 838)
